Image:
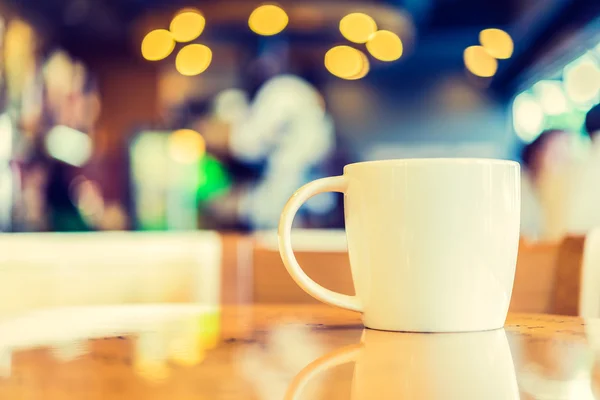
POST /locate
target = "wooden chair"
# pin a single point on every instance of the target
(322, 254)
(535, 277)
(589, 284)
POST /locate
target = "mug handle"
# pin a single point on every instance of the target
(320, 365)
(332, 184)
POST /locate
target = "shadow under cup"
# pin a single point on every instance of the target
(432, 242)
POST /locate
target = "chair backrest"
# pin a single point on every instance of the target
(589, 284)
(535, 277)
(322, 255)
(51, 270)
(549, 277)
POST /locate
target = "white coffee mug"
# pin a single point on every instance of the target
(432, 242)
(465, 366)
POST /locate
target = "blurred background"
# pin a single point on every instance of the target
(181, 115)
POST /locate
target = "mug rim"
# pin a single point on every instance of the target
(446, 160)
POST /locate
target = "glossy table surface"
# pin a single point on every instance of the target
(286, 352)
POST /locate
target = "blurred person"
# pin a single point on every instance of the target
(31, 211)
(216, 199)
(584, 209)
(63, 215)
(113, 218)
(287, 136)
(547, 164)
(46, 200)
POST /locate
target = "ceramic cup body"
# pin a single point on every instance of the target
(432, 242)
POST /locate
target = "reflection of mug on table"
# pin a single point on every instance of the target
(461, 366)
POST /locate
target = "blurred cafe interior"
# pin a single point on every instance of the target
(148, 147)
(168, 116)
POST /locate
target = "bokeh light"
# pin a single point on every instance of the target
(366, 67)
(385, 46)
(186, 348)
(528, 117)
(268, 20)
(186, 353)
(19, 53)
(344, 62)
(479, 62)
(6, 136)
(152, 370)
(582, 80)
(187, 25)
(497, 43)
(357, 27)
(157, 45)
(193, 59)
(69, 145)
(551, 97)
(186, 146)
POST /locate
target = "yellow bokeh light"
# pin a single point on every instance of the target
(186, 351)
(357, 27)
(193, 59)
(187, 25)
(366, 67)
(187, 357)
(268, 20)
(211, 330)
(157, 45)
(385, 46)
(186, 146)
(497, 43)
(152, 370)
(345, 62)
(480, 62)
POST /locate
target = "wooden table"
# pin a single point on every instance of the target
(293, 352)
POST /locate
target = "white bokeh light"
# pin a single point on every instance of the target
(582, 80)
(528, 117)
(6, 136)
(551, 97)
(69, 145)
